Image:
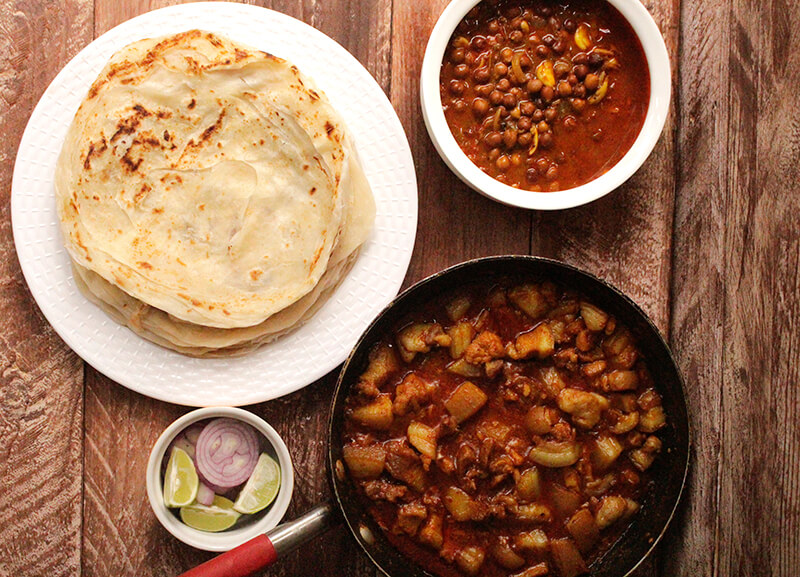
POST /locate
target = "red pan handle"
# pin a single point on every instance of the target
(264, 550)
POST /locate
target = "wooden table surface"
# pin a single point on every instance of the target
(706, 237)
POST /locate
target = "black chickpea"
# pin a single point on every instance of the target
(484, 89)
(552, 172)
(526, 108)
(542, 50)
(494, 153)
(480, 106)
(560, 69)
(572, 79)
(478, 42)
(570, 25)
(538, 115)
(494, 27)
(525, 62)
(506, 54)
(534, 39)
(570, 122)
(564, 89)
(542, 164)
(495, 97)
(461, 71)
(578, 104)
(595, 60)
(509, 101)
(493, 139)
(548, 39)
(531, 174)
(547, 93)
(579, 91)
(534, 86)
(458, 56)
(503, 163)
(546, 140)
(559, 46)
(481, 75)
(457, 87)
(524, 123)
(460, 106)
(516, 36)
(503, 84)
(581, 70)
(469, 58)
(524, 139)
(591, 82)
(580, 58)
(500, 69)
(550, 114)
(542, 127)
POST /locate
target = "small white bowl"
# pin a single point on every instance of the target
(655, 52)
(224, 540)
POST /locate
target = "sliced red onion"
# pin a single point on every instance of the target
(205, 495)
(226, 452)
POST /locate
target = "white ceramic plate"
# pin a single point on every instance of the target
(291, 362)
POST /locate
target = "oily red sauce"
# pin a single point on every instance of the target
(544, 95)
(470, 453)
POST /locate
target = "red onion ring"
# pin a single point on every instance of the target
(226, 452)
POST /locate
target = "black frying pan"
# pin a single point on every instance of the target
(668, 473)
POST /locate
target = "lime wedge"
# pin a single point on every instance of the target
(261, 488)
(180, 479)
(216, 517)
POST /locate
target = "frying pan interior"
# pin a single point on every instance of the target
(668, 472)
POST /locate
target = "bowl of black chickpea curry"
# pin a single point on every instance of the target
(510, 417)
(545, 104)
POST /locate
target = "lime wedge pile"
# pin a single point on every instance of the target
(261, 488)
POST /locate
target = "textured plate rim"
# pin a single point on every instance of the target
(82, 345)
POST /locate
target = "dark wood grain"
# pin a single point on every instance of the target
(760, 469)
(698, 283)
(41, 380)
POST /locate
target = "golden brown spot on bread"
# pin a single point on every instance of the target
(158, 210)
(142, 193)
(255, 274)
(192, 104)
(201, 207)
(313, 94)
(94, 151)
(312, 191)
(144, 265)
(226, 312)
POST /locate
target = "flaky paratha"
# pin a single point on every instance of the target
(204, 179)
(209, 195)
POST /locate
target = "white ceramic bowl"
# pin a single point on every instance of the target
(660, 87)
(224, 540)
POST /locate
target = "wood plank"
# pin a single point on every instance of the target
(455, 223)
(41, 380)
(759, 527)
(698, 280)
(122, 535)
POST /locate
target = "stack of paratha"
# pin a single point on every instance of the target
(210, 197)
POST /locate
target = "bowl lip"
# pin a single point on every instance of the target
(422, 285)
(225, 540)
(657, 58)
